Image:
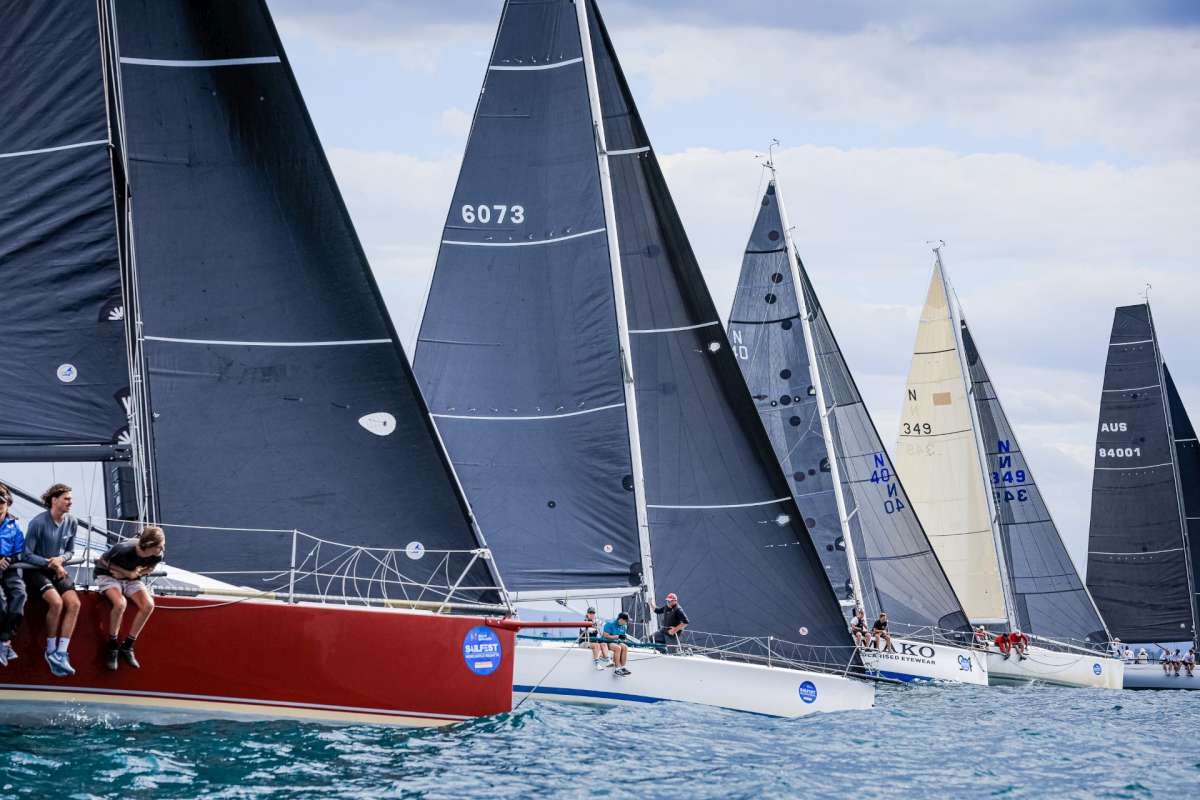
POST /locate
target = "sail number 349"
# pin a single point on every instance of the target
(498, 214)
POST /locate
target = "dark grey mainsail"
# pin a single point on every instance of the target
(1049, 599)
(63, 375)
(718, 523)
(892, 560)
(1137, 556)
(279, 393)
(1187, 456)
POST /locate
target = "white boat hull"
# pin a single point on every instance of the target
(918, 662)
(565, 672)
(1151, 676)
(1054, 667)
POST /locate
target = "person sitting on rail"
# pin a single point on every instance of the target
(1142, 657)
(590, 637)
(673, 622)
(981, 637)
(1019, 643)
(1127, 654)
(1114, 648)
(119, 574)
(880, 638)
(49, 544)
(1164, 657)
(12, 585)
(614, 634)
(1176, 661)
(1189, 661)
(858, 628)
(1002, 644)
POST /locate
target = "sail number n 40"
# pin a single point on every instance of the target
(498, 214)
(1119, 452)
(917, 429)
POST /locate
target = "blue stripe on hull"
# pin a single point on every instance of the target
(629, 698)
(901, 676)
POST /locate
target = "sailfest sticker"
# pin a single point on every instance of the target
(481, 650)
(1096, 669)
(67, 373)
(808, 692)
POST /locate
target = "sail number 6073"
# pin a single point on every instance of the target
(484, 214)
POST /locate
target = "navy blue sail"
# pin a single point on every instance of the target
(1137, 565)
(1049, 598)
(517, 352)
(281, 397)
(1187, 456)
(63, 373)
(893, 561)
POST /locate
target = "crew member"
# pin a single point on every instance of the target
(858, 628)
(1019, 643)
(49, 544)
(1003, 645)
(981, 637)
(590, 637)
(119, 574)
(673, 622)
(12, 585)
(880, 635)
(614, 634)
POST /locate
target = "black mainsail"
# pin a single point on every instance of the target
(1138, 560)
(616, 371)
(888, 563)
(63, 376)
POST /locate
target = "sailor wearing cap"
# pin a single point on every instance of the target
(673, 622)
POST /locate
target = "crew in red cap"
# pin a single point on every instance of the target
(673, 622)
(1019, 642)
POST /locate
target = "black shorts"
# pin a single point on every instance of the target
(39, 580)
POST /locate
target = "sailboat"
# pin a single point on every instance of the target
(581, 379)
(873, 548)
(188, 308)
(975, 493)
(1144, 539)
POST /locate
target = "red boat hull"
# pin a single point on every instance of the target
(216, 657)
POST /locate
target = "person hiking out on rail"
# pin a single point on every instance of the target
(614, 634)
(590, 637)
(1018, 643)
(672, 624)
(858, 628)
(12, 584)
(49, 545)
(119, 574)
(879, 634)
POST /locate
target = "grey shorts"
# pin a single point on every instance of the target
(128, 588)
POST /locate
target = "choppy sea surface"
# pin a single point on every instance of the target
(952, 741)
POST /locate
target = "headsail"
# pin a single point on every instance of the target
(938, 455)
(63, 375)
(281, 396)
(1187, 456)
(1137, 560)
(893, 561)
(1048, 596)
(723, 530)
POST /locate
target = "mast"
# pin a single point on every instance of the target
(956, 323)
(618, 282)
(1183, 519)
(815, 374)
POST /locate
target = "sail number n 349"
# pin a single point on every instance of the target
(498, 214)
(917, 429)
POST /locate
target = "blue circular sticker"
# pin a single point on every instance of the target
(808, 692)
(481, 650)
(1096, 669)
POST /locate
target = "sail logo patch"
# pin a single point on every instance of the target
(482, 650)
(67, 373)
(1096, 669)
(964, 663)
(808, 692)
(941, 398)
(380, 423)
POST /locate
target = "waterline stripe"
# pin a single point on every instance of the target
(731, 505)
(534, 67)
(523, 244)
(266, 344)
(674, 330)
(52, 149)
(207, 62)
(1135, 388)
(1147, 466)
(628, 152)
(539, 416)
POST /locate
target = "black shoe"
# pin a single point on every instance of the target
(110, 659)
(127, 654)
(622, 672)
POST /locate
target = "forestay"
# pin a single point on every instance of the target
(1137, 560)
(893, 561)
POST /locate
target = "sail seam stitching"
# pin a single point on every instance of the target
(199, 62)
(1144, 466)
(539, 416)
(40, 150)
(730, 505)
(1136, 388)
(524, 244)
(1134, 553)
(1139, 341)
(674, 330)
(266, 344)
(533, 67)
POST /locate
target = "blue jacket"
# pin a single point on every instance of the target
(12, 540)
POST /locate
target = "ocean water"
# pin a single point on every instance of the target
(918, 742)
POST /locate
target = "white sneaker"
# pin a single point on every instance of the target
(598, 663)
(9, 653)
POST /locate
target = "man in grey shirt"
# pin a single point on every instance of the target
(49, 543)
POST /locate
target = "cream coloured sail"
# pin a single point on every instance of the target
(938, 457)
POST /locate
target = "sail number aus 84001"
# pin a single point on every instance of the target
(917, 429)
(498, 214)
(1120, 452)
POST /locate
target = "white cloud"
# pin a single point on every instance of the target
(455, 123)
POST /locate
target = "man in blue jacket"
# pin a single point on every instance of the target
(49, 544)
(12, 586)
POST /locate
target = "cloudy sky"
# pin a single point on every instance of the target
(1053, 145)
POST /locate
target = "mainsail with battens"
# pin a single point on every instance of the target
(1145, 492)
(976, 493)
(871, 543)
(577, 368)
